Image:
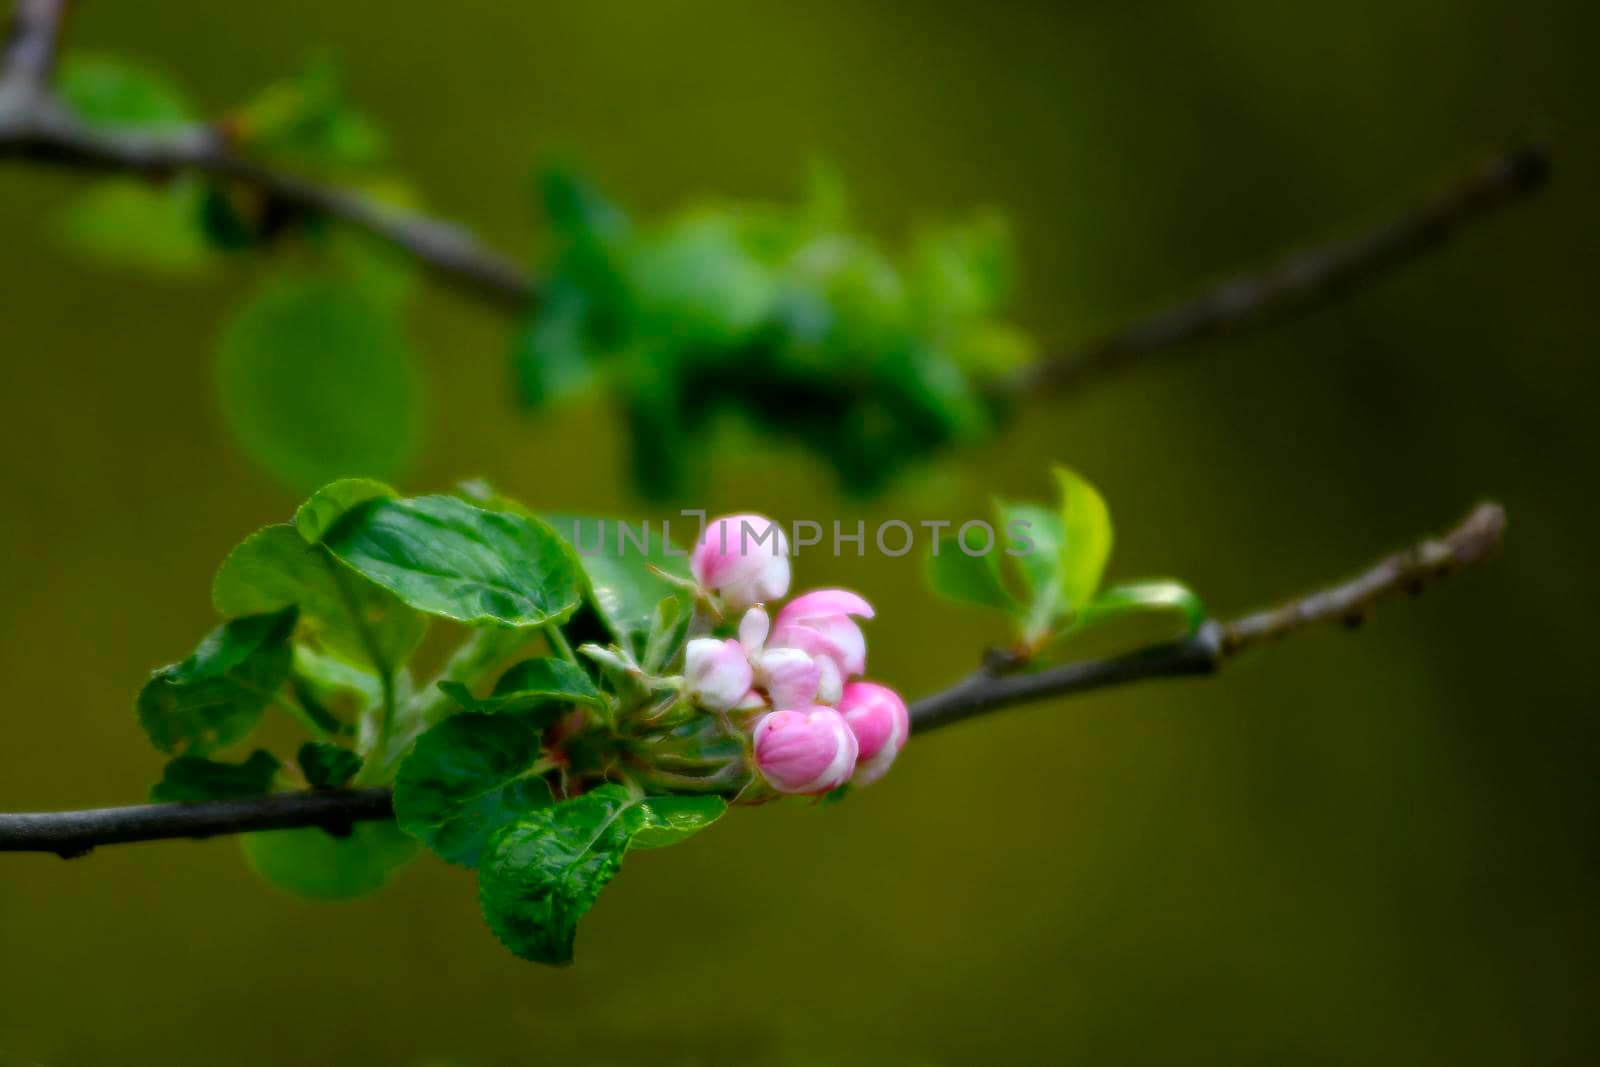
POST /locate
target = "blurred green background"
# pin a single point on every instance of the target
(1371, 848)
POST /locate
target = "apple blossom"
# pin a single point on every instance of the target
(744, 559)
(878, 718)
(716, 673)
(805, 750)
(789, 676)
(820, 623)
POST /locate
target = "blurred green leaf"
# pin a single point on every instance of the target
(317, 382)
(669, 820)
(214, 697)
(1133, 598)
(109, 92)
(540, 874)
(465, 779)
(349, 615)
(328, 505)
(327, 766)
(319, 866)
(306, 120)
(971, 579)
(188, 779)
(446, 557)
(617, 556)
(1066, 549)
(532, 685)
(125, 222)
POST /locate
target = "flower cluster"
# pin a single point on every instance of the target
(793, 677)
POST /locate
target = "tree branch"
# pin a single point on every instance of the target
(1410, 570)
(28, 57)
(36, 126)
(75, 833)
(1303, 277)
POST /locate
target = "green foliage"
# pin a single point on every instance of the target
(325, 615)
(214, 697)
(317, 381)
(622, 583)
(319, 866)
(195, 778)
(306, 121)
(1045, 567)
(465, 779)
(109, 93)
(344, 614)
(530, 686)
(445, 557)
(775, 312)
(326, 765)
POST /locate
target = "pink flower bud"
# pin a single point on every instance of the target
(753, 630)
(742, 558)
(789, 676)
(819, 622)
(716, 673)
(877, 716)
(805, 751)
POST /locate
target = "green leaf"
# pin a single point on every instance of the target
(214, 697)
(125, 222)
(327, 766)
(104, 91)
(532, 685)
(617, 557)
(669, 820)
(328, 505)
(1086, 539)
(958, 576)
(1132, 598)
(306, 120)
(446, 557)
(1066, 552)
(465, 779)
(319, 866)
(668, 628)
(543, 872)
(317, 382)
(351, 616)
(194, 778)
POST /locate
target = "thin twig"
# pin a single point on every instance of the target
(1302, 277)
(36, 126)
(70, 834)
(74, 833)
(1470, 542)
(28, 56)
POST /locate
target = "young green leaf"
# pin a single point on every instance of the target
(669, 820)
(327, 505)
(540, 874)
(532, 685)
(446, 557)
(327, 766)
(1086, 539)
(617, 557)
(125, 222)
(318, 382)
(668, 628)
(214, 697)
(1133, 598)
(971, 579)
(316, 865)
(349, 615)
(465, 779)
(188, 779)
